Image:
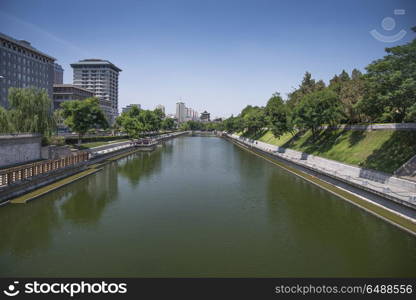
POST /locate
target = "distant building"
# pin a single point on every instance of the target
(184, 114)
(58, 74)
(180, 112)
(161, 107)
(205, 116)
(68, 92)
(22, 65)
(128, 107)
(100, 77)
(188, 114)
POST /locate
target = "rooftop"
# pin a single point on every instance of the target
(71, 86)
(24, 44)
(95, 62)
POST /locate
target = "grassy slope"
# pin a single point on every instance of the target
(384, 150)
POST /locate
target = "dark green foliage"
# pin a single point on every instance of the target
(80, 116)
(253, 119)
(168, 124)
(278, 116)
(137, 121)
(391, 85)
(316, 109)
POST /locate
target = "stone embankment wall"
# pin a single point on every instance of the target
(18, 149)
(408, 169)
(387, 126)
(387, 185)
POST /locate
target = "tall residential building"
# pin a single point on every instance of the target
(58, 74)
(128, 107)
(180, 112)
(161, 107)
(100, 77)
(22, 65)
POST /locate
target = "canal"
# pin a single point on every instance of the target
(198, 206)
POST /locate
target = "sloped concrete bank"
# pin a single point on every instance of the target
(386, 185)
(393, 212)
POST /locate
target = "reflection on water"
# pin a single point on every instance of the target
(140, 165)
(88, 202)
(198, 207)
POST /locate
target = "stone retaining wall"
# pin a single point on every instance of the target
(19, 149)
(387, 126)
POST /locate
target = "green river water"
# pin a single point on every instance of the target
(198, 207)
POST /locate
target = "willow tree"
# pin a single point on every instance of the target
(30, 111)
(6, 125)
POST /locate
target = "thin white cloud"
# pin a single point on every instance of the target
(28, 27)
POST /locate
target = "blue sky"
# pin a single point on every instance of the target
(215, 55)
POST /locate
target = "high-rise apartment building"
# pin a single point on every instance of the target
(184, 114)
(58, 74)
(100, 77)
(22, 65)
(180, 112)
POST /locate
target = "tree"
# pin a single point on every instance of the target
(168, 124)
(391, 85)
(136, 121)
(6, 125)
(129, 122)
(159, 116)
(254, 119)
(351, 93)
(229, 124)
(307, 86)
(30, 111)
(316, 109)
(278, 116)
(80, 116)
(338, 81)
(192, 125)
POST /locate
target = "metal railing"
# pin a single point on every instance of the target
(11, 175)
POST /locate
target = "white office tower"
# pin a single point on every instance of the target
(100, 77)
(180, 112)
